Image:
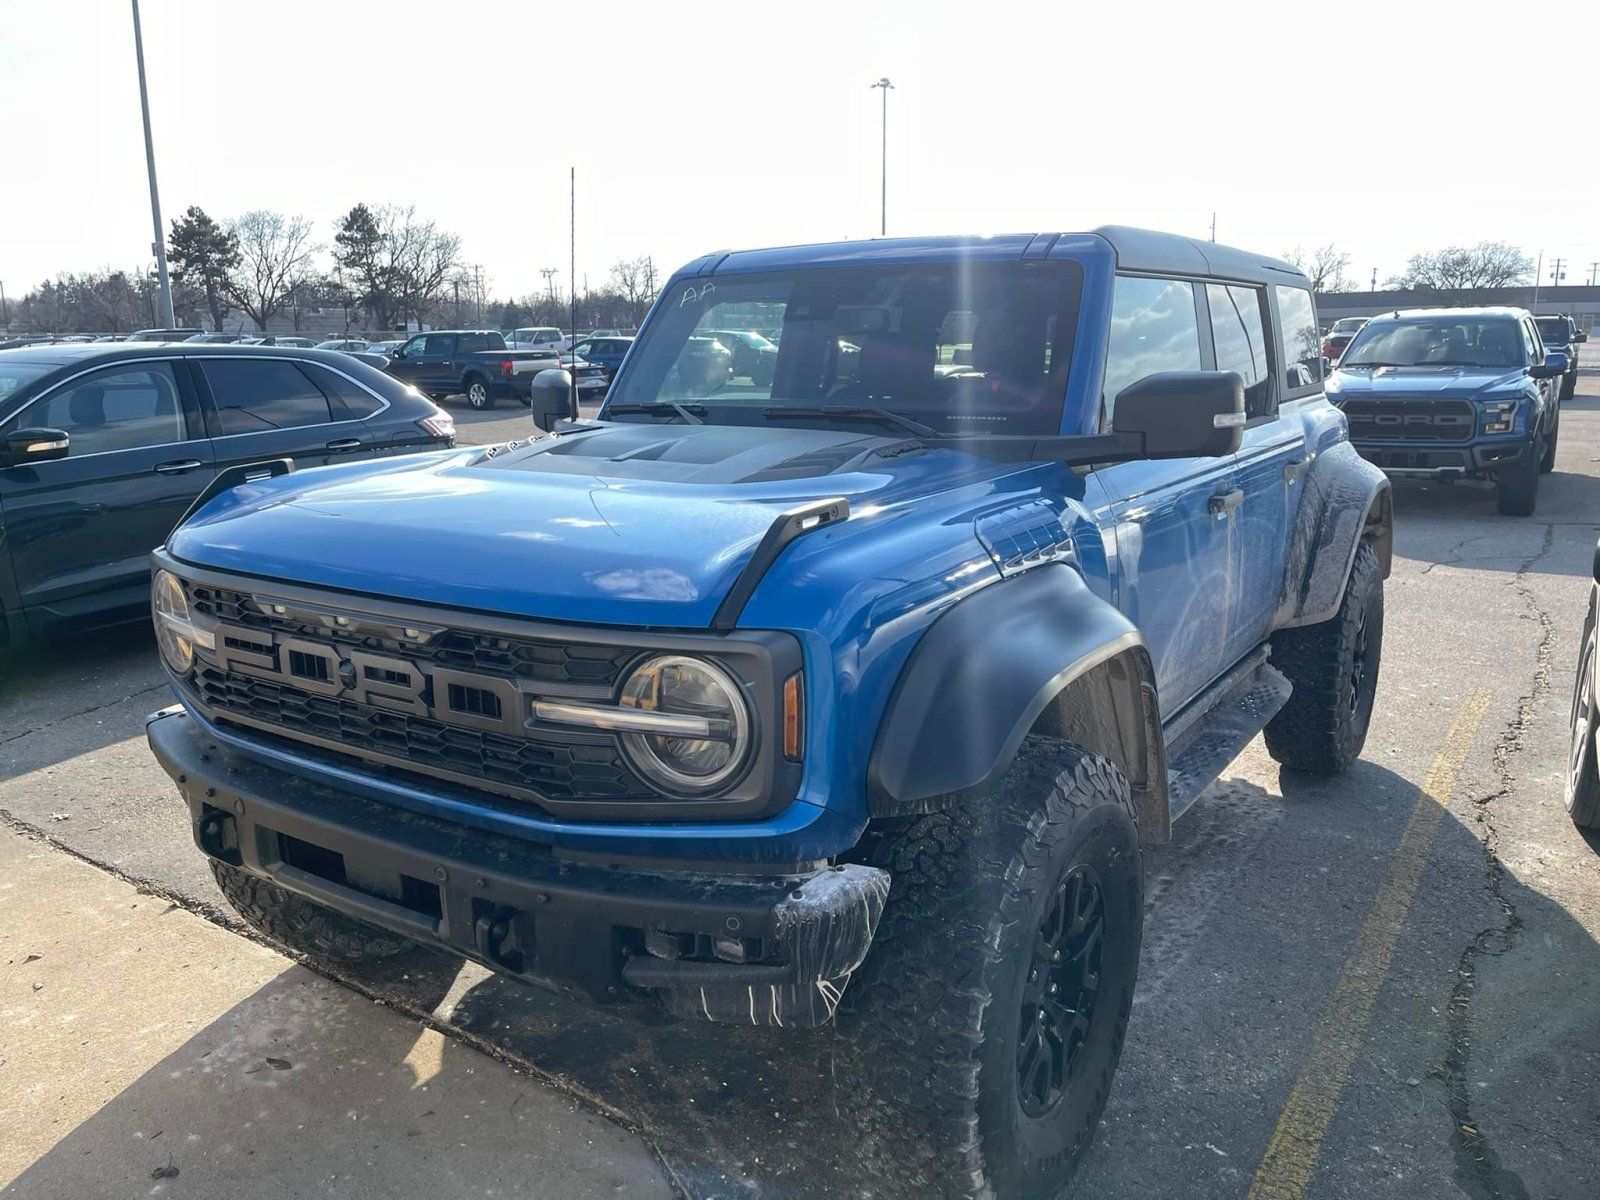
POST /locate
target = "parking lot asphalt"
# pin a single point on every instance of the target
(1385, 984)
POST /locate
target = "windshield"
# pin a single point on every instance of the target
(1348, 325)
(958, 346)
(1552, 329)
(1437, 342)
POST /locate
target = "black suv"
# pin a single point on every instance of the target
(103, 448)
(1561, 333)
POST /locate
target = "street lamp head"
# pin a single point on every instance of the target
(884, 83)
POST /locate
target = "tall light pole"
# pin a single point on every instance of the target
(160, 245)
(883, 224)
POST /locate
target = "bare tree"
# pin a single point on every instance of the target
(275, 256)
(427, 261)
(1486, 265)
(634, 282)
(1324, 267)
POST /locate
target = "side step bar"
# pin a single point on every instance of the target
(1208, 733)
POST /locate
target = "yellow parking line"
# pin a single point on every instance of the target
(1292, 1154)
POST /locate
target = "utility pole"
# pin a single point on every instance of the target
(160, 246)
(477, 290)
(1374, 279)
(1538, 274)
(883, 215)
(1557, 274)
(550, 274)
(5, 317)
(1213, 225)
(1594, 272)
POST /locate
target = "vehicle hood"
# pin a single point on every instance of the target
(1444, 383)
(630, 524)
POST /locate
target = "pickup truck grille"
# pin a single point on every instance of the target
(1411, 420)
(522, 767)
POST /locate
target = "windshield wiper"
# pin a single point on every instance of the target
(1458, 362)
(689, 414)
(847, 412)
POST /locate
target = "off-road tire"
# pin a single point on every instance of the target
(312, 929)
(477, 391)
(1517, 487)
(1547, 463)
(1583, 774)
(935, 1015)
(1333, 667)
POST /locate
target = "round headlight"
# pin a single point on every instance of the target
(171, 609)
(706, 733)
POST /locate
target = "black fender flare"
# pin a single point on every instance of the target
(1036, 650)
(1344, 500)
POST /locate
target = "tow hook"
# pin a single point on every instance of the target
(495, 935)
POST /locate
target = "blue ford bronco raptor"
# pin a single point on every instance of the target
(849, 687)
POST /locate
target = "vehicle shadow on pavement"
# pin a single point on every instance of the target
(1455, 524)
(51, 683)
(1218, 1035)
(299, 1089)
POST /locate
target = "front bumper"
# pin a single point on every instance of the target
(1445, 460)
(763, 948)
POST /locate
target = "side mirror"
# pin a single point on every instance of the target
(35, 445)
(1555, 363)
(1579, 336)
(398, 352)
(1183, 414)
(552, 398)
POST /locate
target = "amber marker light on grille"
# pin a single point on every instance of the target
(793, 715)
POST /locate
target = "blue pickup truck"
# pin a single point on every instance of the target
(850, 690)
(1455, 393)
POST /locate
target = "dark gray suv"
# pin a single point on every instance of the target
(103, 448)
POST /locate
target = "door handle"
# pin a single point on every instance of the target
(1224, 503)
(178, 466)
(1293, 471)
(341, 445)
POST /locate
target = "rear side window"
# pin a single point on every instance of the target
(253, 395)
(472, 342)
(1236, 331)
(357, 401)
(119, 408)
(1299, 346)
(1153, 328)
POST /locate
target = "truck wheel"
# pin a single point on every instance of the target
(1333, 666)
(1583, 776)
(1517, 487)
(1569, 385)
(1548, 462)
(990, 1013)
(301, 925)
(478, 393)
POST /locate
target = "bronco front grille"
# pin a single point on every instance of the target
(518, 658)
(526, 767)
(1411, 420)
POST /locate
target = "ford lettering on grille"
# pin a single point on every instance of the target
(380, 681)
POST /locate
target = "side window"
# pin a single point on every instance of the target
(1531, 342)
(473, 342)
(1237, 334)
(257, 394)
(120, 408)
(1299, 345)
(358, 402)
(414, 347)
(1153, 328)
(438, 344)
(584, 349)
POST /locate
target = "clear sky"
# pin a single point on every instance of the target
(1385, 128)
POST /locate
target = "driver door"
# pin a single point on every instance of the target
(81, 528)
